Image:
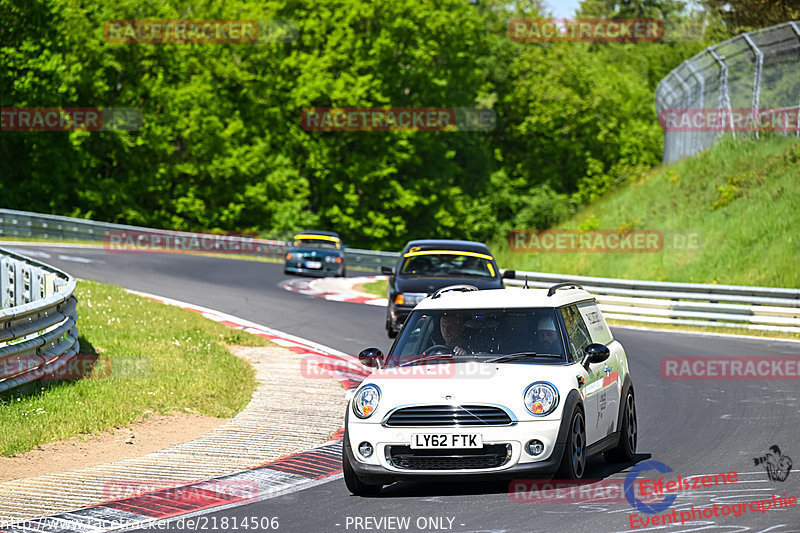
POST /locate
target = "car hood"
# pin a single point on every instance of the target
(469, 383)
(429, 284)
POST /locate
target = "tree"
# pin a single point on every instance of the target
(745, 15)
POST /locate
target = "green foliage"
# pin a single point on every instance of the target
(155, 358)
(740, 197)
(745, 15)
(222, 146)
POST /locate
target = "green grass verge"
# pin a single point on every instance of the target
(378, 288)
(708, 329)
(183, 364)
(743, 196)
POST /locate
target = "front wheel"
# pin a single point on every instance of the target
(390, 331)
(626, 448)
(573, 463)
(354, 484)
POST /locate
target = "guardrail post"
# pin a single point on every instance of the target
(685, 146)
(757, 79)
(724, 94)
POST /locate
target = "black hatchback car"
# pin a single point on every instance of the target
(427, 265)
(319, 253)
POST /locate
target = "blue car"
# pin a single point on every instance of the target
(319, 253)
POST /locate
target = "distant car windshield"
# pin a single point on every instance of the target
(447, 263)
(317, 243)
(480, 335)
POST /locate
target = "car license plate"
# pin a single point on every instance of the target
(313, 264)
(446, 440)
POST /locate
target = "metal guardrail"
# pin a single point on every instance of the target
(38, 320)
(23, 224)
(370, 259)
(696, 304)
(642, 301)
(756, 71)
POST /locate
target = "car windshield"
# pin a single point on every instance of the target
(519, 336)
(447, 263)
(316, 243)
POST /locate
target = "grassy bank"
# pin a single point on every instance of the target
(742, 197)
(378, 288)
(163, 359)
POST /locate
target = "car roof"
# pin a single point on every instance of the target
(318, 232)
(510, 297)
(447, 244)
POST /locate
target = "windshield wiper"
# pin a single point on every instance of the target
(427, 358)
(519, 355)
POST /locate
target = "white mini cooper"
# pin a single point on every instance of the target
(504, 383)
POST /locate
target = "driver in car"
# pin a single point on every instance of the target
(452, 329)
(547, 337)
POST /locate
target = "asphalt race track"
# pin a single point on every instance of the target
(694, 427)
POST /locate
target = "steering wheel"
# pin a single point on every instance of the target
(438, 349)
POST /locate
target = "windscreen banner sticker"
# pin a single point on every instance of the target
(592, 318)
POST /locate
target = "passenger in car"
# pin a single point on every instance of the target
(452, 329)
(547, 337)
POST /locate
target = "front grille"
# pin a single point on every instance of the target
(490, 456)
(448, 415)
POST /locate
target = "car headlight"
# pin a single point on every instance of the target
(541, 398)
(365, 402)
(410, 298)
(330, 259)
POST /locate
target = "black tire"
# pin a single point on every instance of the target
(390, 331)
(354, 484)
(343, 274)
(573, 462)
(626, 448)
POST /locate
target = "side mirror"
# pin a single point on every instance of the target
(595, 353)
(387, 270)
(509, 274)
(371, 357)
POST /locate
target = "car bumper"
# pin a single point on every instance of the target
(328, 269)
(382, 467)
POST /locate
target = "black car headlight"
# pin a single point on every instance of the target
(541, 398)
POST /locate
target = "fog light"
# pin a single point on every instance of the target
(365, 449)
(534, 447)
